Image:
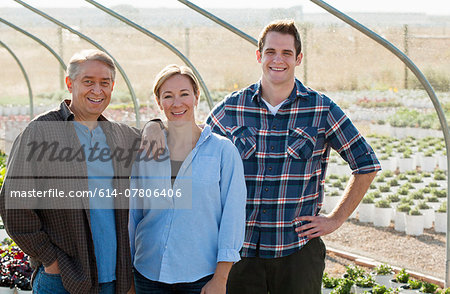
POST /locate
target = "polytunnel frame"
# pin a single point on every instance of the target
(160, 40)
(98, 46)
(30, 91)
(405, 59)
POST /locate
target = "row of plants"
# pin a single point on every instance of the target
(15, 269)
(380, 281)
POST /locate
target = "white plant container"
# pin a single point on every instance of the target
(414, 225)
(399, 221)
(428, 164)
(366, 211)
(428, 217)
(382, 216)
(326, 290)
(360, 290)
(406, 164)
(7, 290)
(440, 222)
(330, 203)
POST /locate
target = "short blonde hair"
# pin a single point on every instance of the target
(92, 54)
(171, 70)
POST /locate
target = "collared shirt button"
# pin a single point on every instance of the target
(264, 211)
(274, 127)
(272, 147)
(270, 168)
(266, 189)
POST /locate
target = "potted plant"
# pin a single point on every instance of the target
(400, 215)
(414, 223)
(328, 283)
(383, 274)
(363, 284)
(433, 202)
(343, 287)
(401, 278)
(440, 218)
(428, 214)
(412, 286)
(354, 272)
(366, 209)
(382, 213)
(428, 288)
(380, 289)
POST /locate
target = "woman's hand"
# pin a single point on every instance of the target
(153, 139)
(215, 286)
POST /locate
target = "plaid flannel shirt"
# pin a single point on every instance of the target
(285, 159)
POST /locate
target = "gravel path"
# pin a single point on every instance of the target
(424, 254)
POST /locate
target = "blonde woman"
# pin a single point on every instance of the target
(187, 218)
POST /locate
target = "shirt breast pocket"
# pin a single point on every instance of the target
(244, 138)
(301, 142)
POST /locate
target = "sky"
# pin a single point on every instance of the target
(439, 7)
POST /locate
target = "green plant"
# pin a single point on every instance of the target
(383, 203)
(334, 193)
(405, 200)
(393, 183)
(443, 207)
(380, 289)
(383, 269)
(408, 186)
(384, 189)
(402, 177)
(374, 194)
(428, 287)
(403, 208)
(433, 185)
(368, 199)
(415, 211)
(439, 193)
(426, 175)
(388, 173)
(365, 282)
(425, 190)
(414, 284)
(393, 198)
(417, 195)
(416, 179)
(432, 199)
(443, 291)
(439, 177)
(343, 287)
(380, 179)
(402, 276)
(411, 172)
(334, 176)
(423, 205)
(329, 282)
(354, 272)
(403, 191)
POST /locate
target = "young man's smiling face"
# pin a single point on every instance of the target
(91, 90)
(278, 59)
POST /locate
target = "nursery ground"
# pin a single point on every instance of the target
(424, 254)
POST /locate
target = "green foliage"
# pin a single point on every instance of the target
(403, 191)
(408, 186)
(439, 177)
(433, 185)
(383, 203)
(404, 208)
(439, 193)
(383, 269)
(416, 179)
(384, 188)
(402, 276)
(393, 183)
(417, 195)
(380, 289)
(334, 193)
(368, 199)
(354, 272)
(393, 198)
(329, 282)
(432, 199)
(414, 284)
(402, 177)
(344, 287)
(405, 200)
(428, 287)
(380, 179)
(388, 173)
(444, 291)
(423, 205)
(365, 282)
(415, 211)
(443, 207)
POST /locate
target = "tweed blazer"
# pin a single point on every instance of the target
(48, 233)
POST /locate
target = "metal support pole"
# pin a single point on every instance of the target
(61, 62)
(428, 89)
(220, 22)
(405, 47)
(186, 42)
(61, 52)
(163, 42)
(305, 52)
(122, 72)
(30, 92)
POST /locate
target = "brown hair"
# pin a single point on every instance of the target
(284, 26)
(85, 55)
(171, 70)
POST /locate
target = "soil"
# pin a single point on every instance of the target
(423, 254)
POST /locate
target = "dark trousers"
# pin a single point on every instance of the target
(146, 286)
(298, 273)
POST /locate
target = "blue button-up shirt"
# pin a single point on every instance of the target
(180, 238)
(285, 159)
(103, 225)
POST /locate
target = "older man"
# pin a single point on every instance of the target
(78, 240)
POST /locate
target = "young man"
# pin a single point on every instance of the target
(284, 132)
(78, 242)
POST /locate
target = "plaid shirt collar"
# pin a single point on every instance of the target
(299, 91)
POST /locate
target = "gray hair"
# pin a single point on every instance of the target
(91, 54)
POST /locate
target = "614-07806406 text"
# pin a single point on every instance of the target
(101, 193)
